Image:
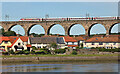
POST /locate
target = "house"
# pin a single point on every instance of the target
(70, 42)
(81, 39)
(108, 42)
(4, 43)
(19, 43)
(41, 42)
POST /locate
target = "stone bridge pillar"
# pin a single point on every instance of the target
(66, 27)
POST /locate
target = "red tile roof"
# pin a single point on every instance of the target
(104, 39)
(13, 39)
(4, 39)
(24, 38)
(69, 39)
(79, 38)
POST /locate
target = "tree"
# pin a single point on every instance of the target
(2, 31)
(9, 33)
(74, 52)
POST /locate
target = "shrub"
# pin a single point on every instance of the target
(108, 50)
(34, 48)
(11, 52)
(77, 47)
(32, 52)
(41, 52)
(74, 52)
(19, 52)
(5, 53)
(47, 51)
(59, 51)
(26, 52)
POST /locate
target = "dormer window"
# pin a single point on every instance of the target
(6, 42)
(18, 43)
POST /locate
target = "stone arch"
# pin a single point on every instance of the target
(48, 31)
(92, 26)
(110, 29)
(32, 26)
(72, 26)
(11, 27)
(16, 25)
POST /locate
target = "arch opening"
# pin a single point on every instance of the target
(56, 29)
(18, 29)
(96, 29)
(76, 29)
(36, 30)
(114, 29)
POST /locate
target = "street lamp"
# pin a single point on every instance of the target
(87, 15)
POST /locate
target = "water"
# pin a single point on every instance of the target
(61, 67)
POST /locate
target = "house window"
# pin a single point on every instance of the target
(100, 43)
(92, 43)
(18, 43)
(67, 43)
(73, 43)
(114, 44)
(6, 42)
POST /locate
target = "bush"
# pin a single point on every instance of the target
(41, 52)
(59, 51)
(47, 51)
(26, 52)
(19, 52)
(74, 52)
(34, 48)
(78, 47)
(5, 53)
(11, 52)
(108, 50)
(32, 52)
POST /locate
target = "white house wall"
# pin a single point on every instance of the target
(117, 45)
(21, 44)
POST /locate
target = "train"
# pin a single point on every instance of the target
(70, 19)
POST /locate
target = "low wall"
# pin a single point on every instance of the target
(59, 59)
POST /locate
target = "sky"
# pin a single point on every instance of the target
(18, 10)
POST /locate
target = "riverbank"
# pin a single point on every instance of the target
(58, 58)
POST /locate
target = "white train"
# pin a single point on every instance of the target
(69, 19)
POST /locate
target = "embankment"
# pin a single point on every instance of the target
(58, 59)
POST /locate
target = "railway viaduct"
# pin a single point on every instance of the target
(87, 24)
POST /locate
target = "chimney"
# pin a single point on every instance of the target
(74, 36)
(18, 35)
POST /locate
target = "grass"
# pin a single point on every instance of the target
(80, 55)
